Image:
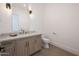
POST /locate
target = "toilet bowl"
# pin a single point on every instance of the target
(45, 42)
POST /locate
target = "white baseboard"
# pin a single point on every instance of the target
(65, 47)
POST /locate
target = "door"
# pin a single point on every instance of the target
(21, 47)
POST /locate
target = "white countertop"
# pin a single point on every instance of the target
(6, 38)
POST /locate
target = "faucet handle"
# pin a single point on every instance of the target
(22, 31)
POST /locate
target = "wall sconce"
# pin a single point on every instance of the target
(8, 5)
(30, 11)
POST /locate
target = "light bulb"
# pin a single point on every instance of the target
(30, 7)
(24, 5)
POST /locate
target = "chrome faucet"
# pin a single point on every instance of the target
(22, 31)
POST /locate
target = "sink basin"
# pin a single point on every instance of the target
(13, 34)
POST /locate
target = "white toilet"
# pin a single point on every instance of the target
(45, 42)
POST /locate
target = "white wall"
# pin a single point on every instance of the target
(4, 19)
(36, 17)
(63, 19)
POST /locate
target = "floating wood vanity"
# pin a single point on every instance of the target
(22, 45)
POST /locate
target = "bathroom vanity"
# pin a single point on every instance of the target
(21, 45)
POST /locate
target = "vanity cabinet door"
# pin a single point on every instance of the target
(38, 43)
(9, 48)
(31, 45)
(34, 44)
(21, 47)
